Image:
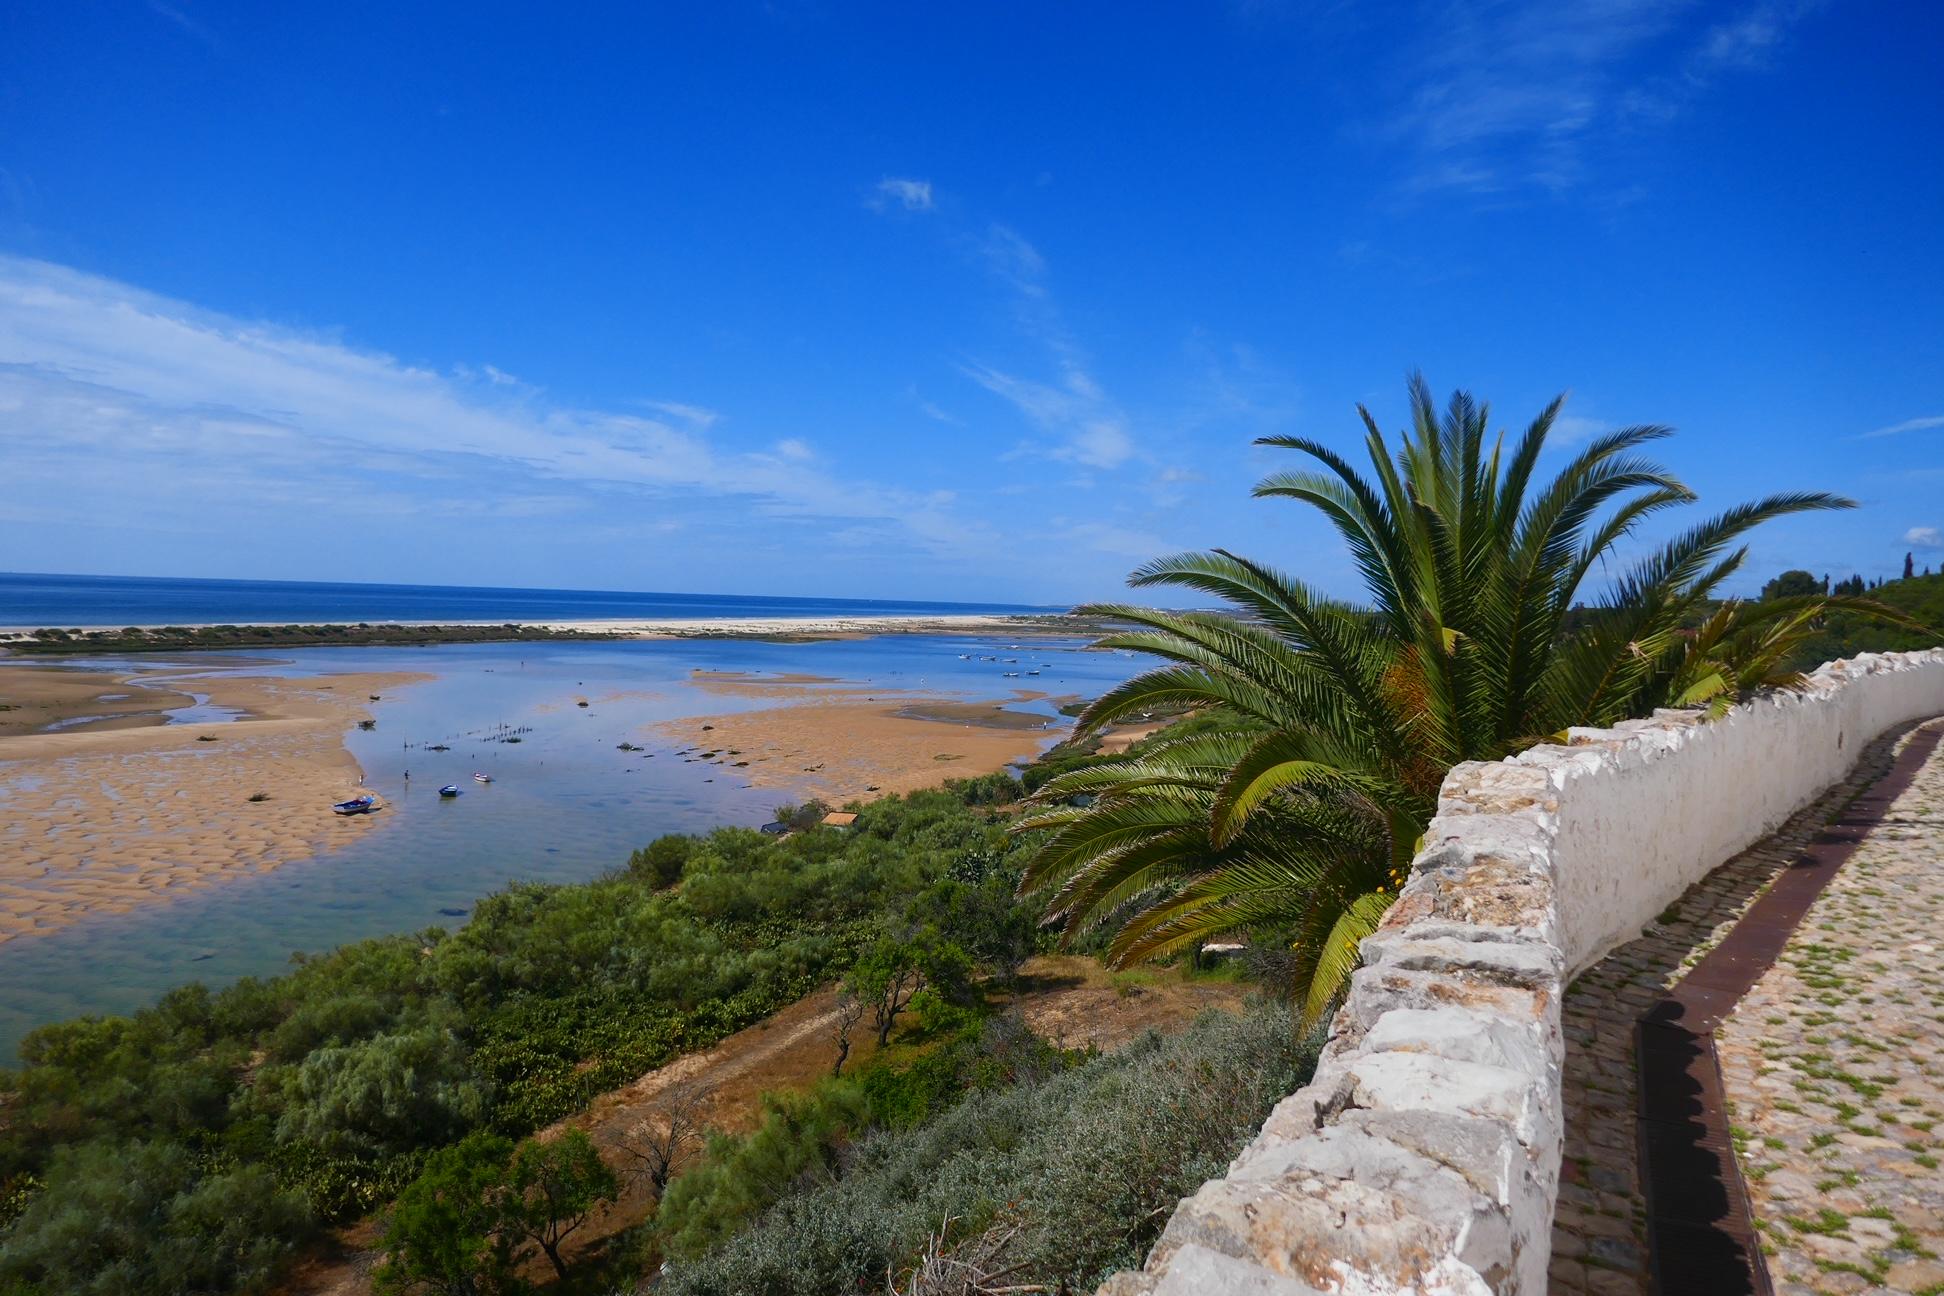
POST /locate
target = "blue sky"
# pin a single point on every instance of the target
(971, 301)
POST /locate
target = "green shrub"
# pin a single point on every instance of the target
(127, 1219)
(388, 1094)
(738, 1177)
(661, 861)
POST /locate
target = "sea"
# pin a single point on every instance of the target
(36, 601)
(566, 804)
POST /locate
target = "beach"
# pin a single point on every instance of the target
(105, 807)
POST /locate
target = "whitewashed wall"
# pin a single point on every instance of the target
(1424, 1154)
(1643, 819)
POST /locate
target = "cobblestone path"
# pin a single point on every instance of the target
(1834, 1065)
(1599, 1231)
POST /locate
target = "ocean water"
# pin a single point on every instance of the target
(566, 804)
(70, 602)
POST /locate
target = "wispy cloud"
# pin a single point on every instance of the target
(1086, 429)
(109, 388)
(1084, 424)
(1924, 537)
(911, 195)
(1014, 260)
(1499, 95)
(936, 413)
(1908, 425)
(182, 20)
(1110, 538)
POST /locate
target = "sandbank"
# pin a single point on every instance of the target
(97, 819)
(840, 742)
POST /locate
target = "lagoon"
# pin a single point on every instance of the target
(566, 803)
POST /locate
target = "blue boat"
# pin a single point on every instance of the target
(449, 790)
(356, 805)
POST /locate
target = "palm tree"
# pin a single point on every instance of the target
(1302, 809)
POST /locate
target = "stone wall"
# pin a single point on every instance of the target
(1424, 1154)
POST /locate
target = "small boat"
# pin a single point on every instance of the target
(449, 790)
(482, 778)
(356, 805)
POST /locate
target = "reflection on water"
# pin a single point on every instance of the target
(565, 803)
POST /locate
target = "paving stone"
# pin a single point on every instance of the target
(1855, 945)
(1888, 899)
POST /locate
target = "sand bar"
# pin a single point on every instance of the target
(98, 818)
(842, 742)
(832, 627)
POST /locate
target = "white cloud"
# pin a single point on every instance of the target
(1570, 429)
(1909, 425)
(1086, 425)
(1087, 429)
(1924, 537)
(1015, 260)
(109, 388)
(912, 195)
(1499, 96)
(1751, 37)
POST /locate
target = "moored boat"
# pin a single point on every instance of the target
(449, 790)
(356, 806)
(482, 778)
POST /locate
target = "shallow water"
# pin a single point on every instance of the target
(565, 804)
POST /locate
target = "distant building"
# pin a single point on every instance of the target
(839, 819)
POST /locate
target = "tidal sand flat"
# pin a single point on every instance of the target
(842, 742)
(121, 788)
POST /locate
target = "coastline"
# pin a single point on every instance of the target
(229, 636)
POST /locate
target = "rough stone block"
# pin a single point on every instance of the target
(1524, 963)
(1419, 1082)
(1464, 1037)
(1377, 990)
(1333, 1235)
(1196, 1270)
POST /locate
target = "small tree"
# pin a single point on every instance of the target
(885, 978)
(443, 1234)
(670, 1135)
(850, 1011)
(551, 1190)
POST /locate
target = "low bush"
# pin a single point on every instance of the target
(1058, 1178)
